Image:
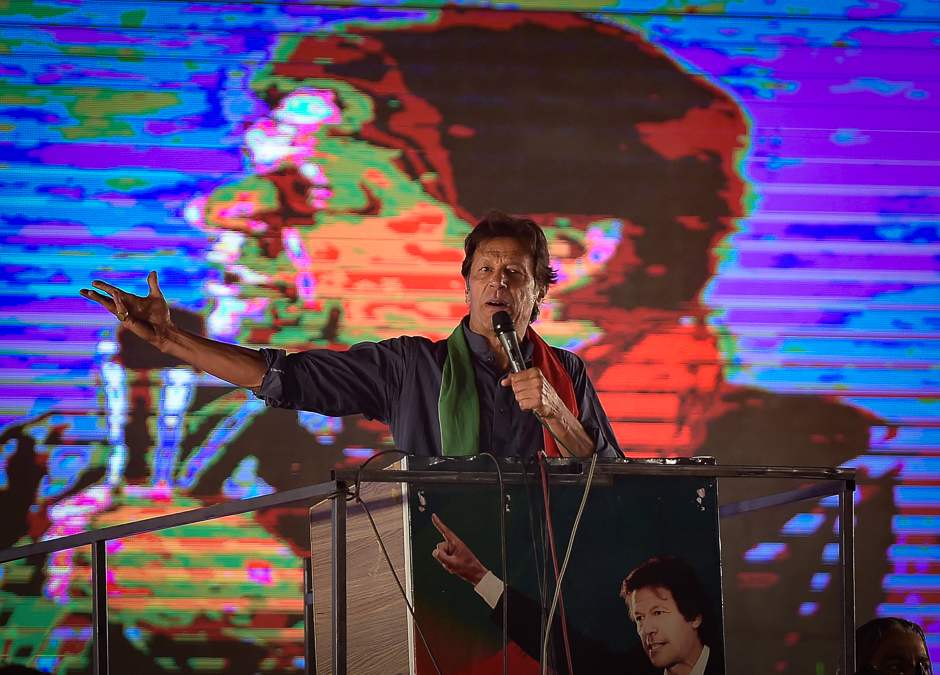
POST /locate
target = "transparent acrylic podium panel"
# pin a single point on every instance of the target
(378, 629)
(781, 587)
(782, 580)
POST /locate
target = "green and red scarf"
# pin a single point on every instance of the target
(459, 405)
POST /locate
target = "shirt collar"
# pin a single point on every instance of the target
(699, 668)
(480, 347)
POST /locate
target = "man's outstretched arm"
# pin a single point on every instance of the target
(149, 318)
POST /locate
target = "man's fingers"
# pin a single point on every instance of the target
(106, 287)
(154, 284)
(103, 300)
(530, 376)
(447, 560)
(443, 529)
(444, 550)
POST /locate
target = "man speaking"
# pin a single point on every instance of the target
(451, 397)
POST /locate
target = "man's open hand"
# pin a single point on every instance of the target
(147, 317)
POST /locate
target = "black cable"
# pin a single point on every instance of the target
(357, 496)
(546, 494)
(540, 554)
(571, 455)
(502, 548)
(532, 524)
(401, 588)
(358, 483)
(554, 435)
(564, 566)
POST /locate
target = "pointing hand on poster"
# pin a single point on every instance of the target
(454, 555)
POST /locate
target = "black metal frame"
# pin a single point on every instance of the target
(99, 560)
(836, 481)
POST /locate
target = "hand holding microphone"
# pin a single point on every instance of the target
(533, 391)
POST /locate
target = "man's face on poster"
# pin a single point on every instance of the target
(668, 637)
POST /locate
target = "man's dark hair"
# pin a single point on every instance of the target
(679, 578)
(526, 231)
(868, 636)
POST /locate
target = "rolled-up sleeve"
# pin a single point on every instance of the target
(272, 386)
(361, 380)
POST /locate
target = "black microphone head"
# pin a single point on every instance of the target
(502, 323)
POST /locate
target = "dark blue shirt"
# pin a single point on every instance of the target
(398, 382)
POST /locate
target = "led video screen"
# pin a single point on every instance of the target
(741, 203)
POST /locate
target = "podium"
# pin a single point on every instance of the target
(635, 510)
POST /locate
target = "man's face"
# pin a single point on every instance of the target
(668, 638)
(501, 279)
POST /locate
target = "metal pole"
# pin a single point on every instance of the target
(847, 558)
(339, 579)
(99, 606)
(310, 633)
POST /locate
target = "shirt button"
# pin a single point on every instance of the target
(502, 411)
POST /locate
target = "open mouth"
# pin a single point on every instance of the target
(497, 304)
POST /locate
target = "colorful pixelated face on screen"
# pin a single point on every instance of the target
(380, 149)
(328, 227)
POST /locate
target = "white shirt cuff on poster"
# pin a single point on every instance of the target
(490, 589)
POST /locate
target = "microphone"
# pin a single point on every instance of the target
(506, 332)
